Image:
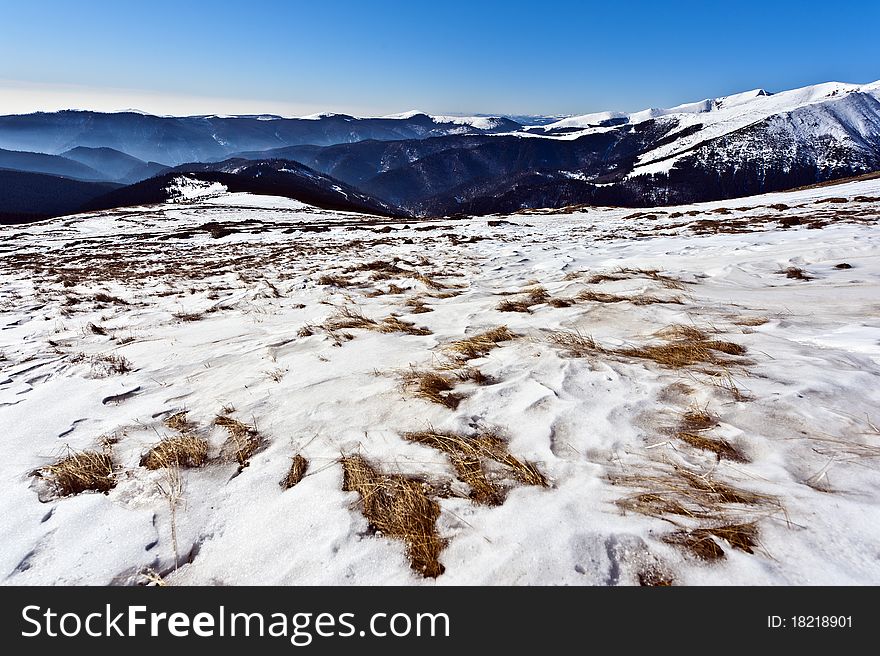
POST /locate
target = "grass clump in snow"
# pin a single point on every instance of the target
(479, 345)
(81, 471)
(348, 318)
(702, 541)
(434, 387)
(178, 451)
(690, 346)
(680, 491)
(795, 273)
(468, 455)
(529, 297)
(417, 306)
(627, 273)
(242, 443)
(298, 467)
(637, 299)
(104, 365)
(398, 507)
(721, 448)
(178, 422)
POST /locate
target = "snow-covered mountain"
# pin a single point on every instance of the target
(738, 145)
(414, 163)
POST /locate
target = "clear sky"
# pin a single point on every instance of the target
(378, 56)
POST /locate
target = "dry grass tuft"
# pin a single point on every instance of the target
(395, 325)
(529, 297)
(479, 345)
(682, 332)
(348, 318)
(751, 321)
(575, 344)
(796, 273)
(702, 544)
(80, 471)
(434, 387)
(398, 507)
(721, 448)
(298, 467)
(102, 297)
(690, 347)
(334, 281)
(188, 316)
(627, 273)
(468, 455)
(684, 492)
(243, 442)
(418, 306)
(638, 299)
(698, 419)
(177, 451)
(178, 422)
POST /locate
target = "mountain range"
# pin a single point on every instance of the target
(416, 164)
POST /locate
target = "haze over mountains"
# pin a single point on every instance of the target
(416, 164)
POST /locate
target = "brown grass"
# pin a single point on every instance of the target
(334, 281)
(698, 419)
(575, 344)
(395, 325)
(751, 321)
(298, 467)
(418, 306)
(188, 316)
(178, 422)
(102, 297)
(243, 442)
(468, 455)
(721, 448)
(702, 544)
(685, 351)
(627, 273)
(684, 492)
(796, 273)
(523, 303)
(81, 471)
(398, 507)
(434, 387)
(348, 318)
(638, 299)
(177, 451)
(479, 345)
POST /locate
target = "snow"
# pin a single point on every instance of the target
(809, 432)
(182, 189)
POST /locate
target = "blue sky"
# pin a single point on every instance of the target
(375, 57)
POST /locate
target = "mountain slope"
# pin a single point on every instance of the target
(271, 177)
(50, 164)
(26, 196)
(114, 164)
(744, 144)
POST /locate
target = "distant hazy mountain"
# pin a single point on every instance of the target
(113, 164)
(51, 164)
(175, 140)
